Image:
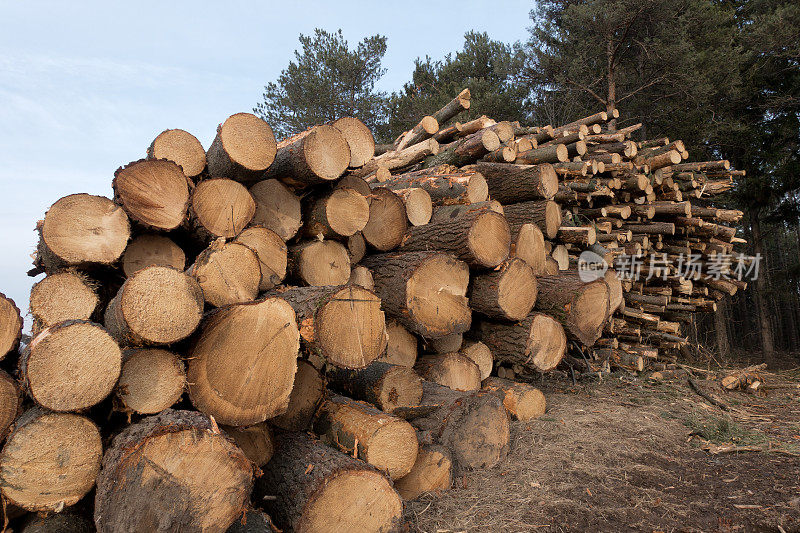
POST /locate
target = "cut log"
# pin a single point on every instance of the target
(432, 472)
(343, 324)
(155, 306)
(355, 183)
(242, 150)
(538, 341)
(581, 307)
(477, 235)
(315, 156)
(481, 355)
(383, 385)
(356, 248)
(271, 252)
(446, 344)
(361, 276)
(228, 273)
(424, 129)
(260, 340)
(341, 213)
(556, 153)
(545, 214)
(307, 393)
(11, 402)
(220, 208)
(181, 147)
(152, 380)
(359, 139)
(508, 183)
(82, 230)
(615, 291)
(387, 220)
(62, 296)
(312, 488)
(475, 125)
(507, 293)
(419, 206)
(10, 325)
(277, 208)
(255, 441)
(466, 150)
(453, 107)
(402, 346)
(527, 243)
(172, 470)
(320, 263)
(89, 353)
(445, 187)
(474, 426)
(153, 192)
(50, 460)
(424, 291)
(522, 401)
(392, 160)
(356, 428)
(152, 250)
(452, 370)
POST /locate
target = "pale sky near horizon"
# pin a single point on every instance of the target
(85, 86)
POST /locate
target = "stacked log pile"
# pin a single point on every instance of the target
(319, 328)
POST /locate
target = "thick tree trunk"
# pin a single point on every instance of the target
(508, 183)
(381, 384)
(388, 221)
(154, 193)
(338, 214)
(760, 294)
(312, 487)
(508, 293)
(544, 213)
(242, 362)
(317, 155)
(343, 324)
(538, 341)
(359, 139)
(386, 442)
(319, 263)
(220, 208)
(242, 150)
(424, 291)
(172, 470)
(452, 370)
(582, 308)
(527, 243)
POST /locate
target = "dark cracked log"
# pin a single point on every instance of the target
(307, 393)
(181, 147)
(343, 324)
(538, 341)
(243, 361)
(253, 521)
(424, 291)
(82, 230)
(474, 426)
(312, 488)
(220, 208)
(356, 428)
(317, 155)
(155, 306)
(154, 193)
(543, 213)
(507, 293)
(174, 470)
(477, 235)
(522, 401)
(151, 380)
(359, 139)
(509, 183)
(383, 385)
(277, 208)
(242, 150)
(66, 295)
(86, 349)
(582, 308)
(50, 460)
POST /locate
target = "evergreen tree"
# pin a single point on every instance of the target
(326, 81)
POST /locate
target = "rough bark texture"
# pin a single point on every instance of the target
(508, 183)
(446, 185)
(381, 384)
(538, 341)
(545, 214)
(582, 308)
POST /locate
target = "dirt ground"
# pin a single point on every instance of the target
(633, 454)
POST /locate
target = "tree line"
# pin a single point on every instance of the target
(722, 75)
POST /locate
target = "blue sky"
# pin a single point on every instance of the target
(85, 86)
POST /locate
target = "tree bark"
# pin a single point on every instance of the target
(381, 384)
(538, 341)
(582, 308)
(544, 213)
(509, 183)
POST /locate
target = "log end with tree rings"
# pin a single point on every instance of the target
(181, 147)
(221, 208)
(50, 460)
(70, 366)
(150, 249)
(244, 142)
(151, 380)
(489, 239)
(62, 296)
(154, 193)
(435, 296)
(271, 252)
(259, 339)
(156, 306)
(277, 208)
(359, 139)
(83, 229)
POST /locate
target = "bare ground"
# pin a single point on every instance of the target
(631, 454)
